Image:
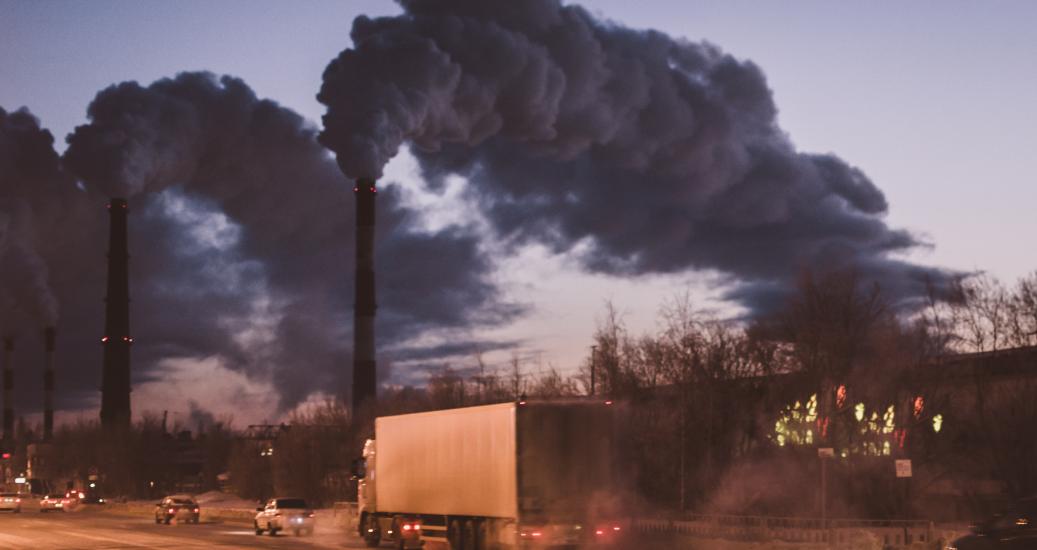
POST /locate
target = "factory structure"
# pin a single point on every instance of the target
(31, 458)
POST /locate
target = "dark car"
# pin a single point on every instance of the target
(179, 507)
(1016, 529)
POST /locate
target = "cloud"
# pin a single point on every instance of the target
(241, 244)
(652, 154)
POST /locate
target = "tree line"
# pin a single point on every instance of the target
(722, 416)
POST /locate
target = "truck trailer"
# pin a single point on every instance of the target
(529, 474)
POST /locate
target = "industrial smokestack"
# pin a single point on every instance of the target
(364, 368)
(48, 383)
(115, 374)
(8, 389)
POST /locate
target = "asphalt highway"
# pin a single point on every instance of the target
(95, 529)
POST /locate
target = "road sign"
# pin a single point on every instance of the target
(825, 452)
(903, 467)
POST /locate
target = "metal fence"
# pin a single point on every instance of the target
(832, 533)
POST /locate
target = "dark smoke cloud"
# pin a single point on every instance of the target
(241, 236)
(285, 254)
(28, 167)
(657, 154)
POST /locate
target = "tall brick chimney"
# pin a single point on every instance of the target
(364, 367)
(115, 373)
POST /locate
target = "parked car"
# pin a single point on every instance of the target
(285, 514)
(1016, 529)
(53, 502)
(178, 507)
(11, 502)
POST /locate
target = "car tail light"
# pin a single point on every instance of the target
(310, 515)
(172, 510)
(196, 511)
(17, 500)
(599, 532)
(615, 528)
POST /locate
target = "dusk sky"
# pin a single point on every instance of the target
(933, 101)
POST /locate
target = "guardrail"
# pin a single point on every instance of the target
(832, 533)
(232, 515)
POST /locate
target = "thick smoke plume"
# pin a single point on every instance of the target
(285, 254)
(241, 230)
(655, 154)
(28, 168)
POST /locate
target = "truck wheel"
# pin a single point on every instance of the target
(468, 536)
(370, 531)
(482, 536)
(453, 535)
(397, 534)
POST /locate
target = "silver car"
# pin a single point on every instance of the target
(11, 502)
(282, 514)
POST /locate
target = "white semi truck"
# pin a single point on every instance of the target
(512, 475)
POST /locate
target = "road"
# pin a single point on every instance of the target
(93, 529)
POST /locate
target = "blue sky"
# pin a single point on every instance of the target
(934, 100)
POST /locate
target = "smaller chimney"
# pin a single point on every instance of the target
(48, 383)
(8, 389)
